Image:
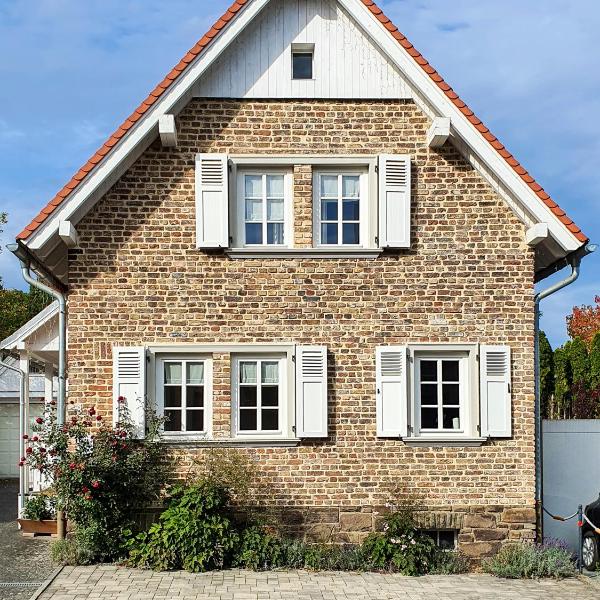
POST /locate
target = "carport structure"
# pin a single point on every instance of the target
(27, 379)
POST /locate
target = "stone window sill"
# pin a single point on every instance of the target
(303, 252)
(452, 442)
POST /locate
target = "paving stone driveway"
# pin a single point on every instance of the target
(114, 583)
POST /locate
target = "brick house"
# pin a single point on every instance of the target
(304, 245)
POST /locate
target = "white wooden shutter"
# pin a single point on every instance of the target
(212, 201)
(495, 396)
(392, 391)
(129, 383)
(394, 201)
(311, 391)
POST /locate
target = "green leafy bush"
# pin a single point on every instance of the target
(71, 552)
(528, 561)
(39, 508)
(102, 475)
(448, 563)
(258, 550)
(192, 534)
(400, 548)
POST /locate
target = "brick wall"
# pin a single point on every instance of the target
(138, 279)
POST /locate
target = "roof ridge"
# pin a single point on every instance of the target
(213, 32)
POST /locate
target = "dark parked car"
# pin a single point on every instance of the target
(591, 539)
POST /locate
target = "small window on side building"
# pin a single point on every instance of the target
(302, 61)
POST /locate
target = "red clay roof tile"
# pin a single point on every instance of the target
(212, 33)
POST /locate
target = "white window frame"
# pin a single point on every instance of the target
(208, 393)
(285, 399)
(469, 393)
(364, 200)
(240, 208)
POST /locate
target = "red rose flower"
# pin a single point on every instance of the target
(25, 436)
(72, 466)
(29, 450)
(21, 463)
(98, 418)
(87, 423)
(121, 399)
(39, 420)
(23, 459)
(42, 450)
(53, 403)
(95, 484)
(85, 489)
(35, 438)
(92, 411)
(73, 420)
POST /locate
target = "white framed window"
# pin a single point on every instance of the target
(184, 394)
(303, 57)
(341, 208)
(440, 392)
(260, 396)
(264, 209)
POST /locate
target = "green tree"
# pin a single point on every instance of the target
(595, 362)
(546, 376)
(580, 361)
(562, 384)
(37, 300)
(14, 311)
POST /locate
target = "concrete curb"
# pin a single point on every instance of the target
(46, 583)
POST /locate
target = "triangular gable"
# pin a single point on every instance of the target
(430, 86)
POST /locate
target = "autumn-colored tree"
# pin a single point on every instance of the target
(584, 322)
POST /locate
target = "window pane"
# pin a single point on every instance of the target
(429, 394)
(254, 210)
(329, 210)
(248, 420)
(446, 540)
(428, 370)
(351, 233)
(270, 395)
(350, 186)
(275, 186)
(253, 186)
(450, 394)
(351, 210)
(302, 65)
(450, 370)
(253, 233)
(275, 233)
(173, 420)
(194, 420)
(195, 373)
(329, 185)
(274, 210)
(172, 396)
(329, 233)
(270, 420)
(247, 372)
(195, 396)
(247, 396)
(270, 372)
(429, 418)
(172, 372)
(451, 418)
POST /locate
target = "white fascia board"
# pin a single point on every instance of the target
(461, 126)
(439, 132)
(143, 127)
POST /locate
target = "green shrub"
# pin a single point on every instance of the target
(448, 563)
(39, 507)
(528, 561)
(400, 548)
(71, 552)
(194, 533)
(258, 550)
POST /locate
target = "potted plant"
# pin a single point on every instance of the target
(39, 516)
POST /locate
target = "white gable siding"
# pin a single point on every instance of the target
(346, 65)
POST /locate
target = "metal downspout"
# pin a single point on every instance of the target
(62, 351)
(22, 427)
(575, 270)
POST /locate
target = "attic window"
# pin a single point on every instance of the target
(302, 61)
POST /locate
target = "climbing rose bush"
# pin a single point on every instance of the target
(101, 475)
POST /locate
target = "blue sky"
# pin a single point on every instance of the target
(71, 71)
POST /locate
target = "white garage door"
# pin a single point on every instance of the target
(9, 440)
(9, 437)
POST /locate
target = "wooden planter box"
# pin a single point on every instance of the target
(30, 528)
